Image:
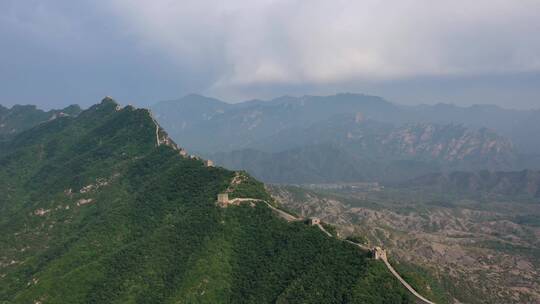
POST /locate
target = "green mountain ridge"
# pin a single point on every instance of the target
(22, 117)
(102, 208)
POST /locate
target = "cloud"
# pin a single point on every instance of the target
(142, 51)
(293, 41)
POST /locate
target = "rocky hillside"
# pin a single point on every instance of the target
(450, 145)
(105, 208)
(453, 250)
(516, 125)
(22, 117)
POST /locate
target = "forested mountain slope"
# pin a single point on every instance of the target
(22, 117)
(102, 208)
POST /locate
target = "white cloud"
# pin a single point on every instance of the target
(299, 41)
(409, 50)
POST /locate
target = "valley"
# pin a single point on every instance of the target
(451, 196)
(454, 236)
(269, 152)
(452, 250)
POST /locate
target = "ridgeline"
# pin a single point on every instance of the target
(105, 208)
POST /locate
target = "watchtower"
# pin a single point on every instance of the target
(223, 198)
(314, 221)
(378, 253)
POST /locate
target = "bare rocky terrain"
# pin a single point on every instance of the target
(461, 251)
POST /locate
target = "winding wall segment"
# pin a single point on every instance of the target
(290, 218)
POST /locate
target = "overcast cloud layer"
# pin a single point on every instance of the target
(412, 51)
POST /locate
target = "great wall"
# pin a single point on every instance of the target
(223, 201)
(376, 252)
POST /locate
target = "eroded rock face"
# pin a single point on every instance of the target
(486, 255)
(449, 142)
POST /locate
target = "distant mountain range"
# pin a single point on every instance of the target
(343, 150)
(373, 138)
(262, 118)
(105, 198)
(340, 138)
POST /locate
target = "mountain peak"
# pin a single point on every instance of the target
(107, 105)
(108, 100)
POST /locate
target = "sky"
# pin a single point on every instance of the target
(59, 52)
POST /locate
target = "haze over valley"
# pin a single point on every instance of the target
(351, 137)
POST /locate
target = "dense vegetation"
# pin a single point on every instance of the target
(422, 281)
(22, 117)
(94, 211)
(251, 188)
